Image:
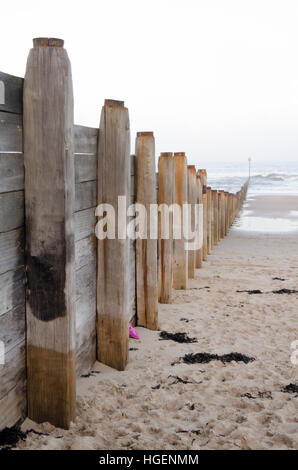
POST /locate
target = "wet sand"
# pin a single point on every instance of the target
(225, 406)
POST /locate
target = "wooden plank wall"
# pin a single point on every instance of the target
(13, 403)
(85, 245)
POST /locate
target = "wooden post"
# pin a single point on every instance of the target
(192, 200)
(180, 256)
(113, 260)
(203, 175)
(49, 196)
(215, 216)
(199, 252)
(223, 215)
(146, 248)
(226, 213)
(165, 196)
(209, 220)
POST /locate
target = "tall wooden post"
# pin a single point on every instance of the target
(180, 257)
(226, 213)
(146, 248)
(215, 216)
(203, 175)
(165, 196)
(192, 201)
(49, 193)
(209, 220)
(199, 252)
(223, 215)
(113, 254)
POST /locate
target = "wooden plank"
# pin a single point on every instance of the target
(85, 251)
(12, 328)
(50, 251)
(13, 406)
(85, 168)
(12, 290)
(11, 132)
(165, 243)
(11, 93)
(180, 256)
(86, 352)
(11, 211)
(192, 200)
(86, 195)
(85, 139)
(84, 223)
(86, 317)
(11, 172)
(146, 247)
(113, 254)
(14, 368)
(11, 250)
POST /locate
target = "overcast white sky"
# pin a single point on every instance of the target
(217, 79)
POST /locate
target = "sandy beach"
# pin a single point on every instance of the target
(160, 402)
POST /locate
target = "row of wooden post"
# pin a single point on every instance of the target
(161, 264)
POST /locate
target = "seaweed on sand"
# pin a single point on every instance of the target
(178, 337)
(203, 358)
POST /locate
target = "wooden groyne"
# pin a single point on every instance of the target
(67, 297)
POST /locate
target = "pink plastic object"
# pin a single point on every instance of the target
(133, 333)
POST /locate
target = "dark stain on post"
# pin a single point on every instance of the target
(46, 284)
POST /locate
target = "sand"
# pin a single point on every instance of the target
(145, 408)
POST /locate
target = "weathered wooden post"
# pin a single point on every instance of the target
(113, 260)
(226, 213)
(223, 215)
(165, 226)
(203, 175)
(49, 196)
(209, 220)
(215, 216)
(146, 248)
(199, 252)
(180, 255)
(192, 201)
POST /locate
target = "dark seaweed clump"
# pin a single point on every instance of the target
(250, 292)
(204, 358)
(291, 388)
(178, 337)
(9, 437)
(285, 291)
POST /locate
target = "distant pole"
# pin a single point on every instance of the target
(249, 165)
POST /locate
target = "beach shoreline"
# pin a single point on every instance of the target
(160, 402)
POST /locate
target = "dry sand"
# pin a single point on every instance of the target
(121, 410)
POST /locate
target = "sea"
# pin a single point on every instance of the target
(266, 178)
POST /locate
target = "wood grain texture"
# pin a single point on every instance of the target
(12, 211)
(199, 252)
(11, 250)
(13, 406)
(84, 223)
(11, 172)
(86, 195)
(180, 256)
(192, 201)
(165, 245)
(85, 139)
(146, 247)
(132, 297)
(50, 180)
(11, 132)
(113, 255)
(85, 168)
(12, 290)
(11, 93)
